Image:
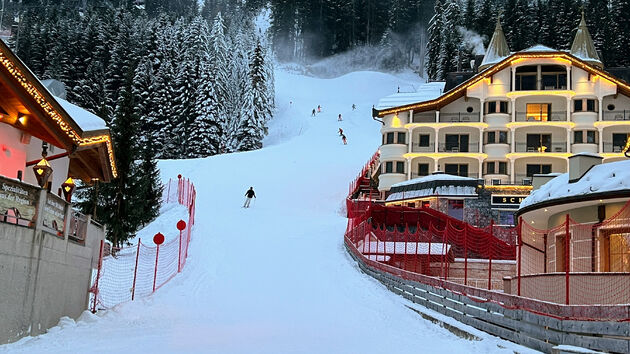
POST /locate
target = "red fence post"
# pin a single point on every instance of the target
(179, 254)
(98, 275)
(465, 255)
(491, 250)
(157, 254)
(520, 246)
(135, 271)
(168, 193)
(567, 259)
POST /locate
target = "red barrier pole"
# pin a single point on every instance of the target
(520, 246)
(135, 271)
(406, 241)
(567, 259)
(448, 264)
(394, 238)
(179, 254)
(428, 271)
(490, 254)
(98, 275)
(465, 255)
(157, 254)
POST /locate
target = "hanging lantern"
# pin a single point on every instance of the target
(68, 188)
(42, 172)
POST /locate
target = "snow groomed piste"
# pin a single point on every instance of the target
(274, 278)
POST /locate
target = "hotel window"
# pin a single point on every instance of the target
(538, 143)
(423, 140)
(389, 138)
(423, 169)
(389, 167)
(526, 77)
(619, 141)
(400, 167)
(503, 137)
(491, 137)
(537, 169)
(614, 251)
(402, 138)
(584, 137)
(503, 168)
(496, 107)
(456, 142)
(584, 105)
(456, 169)
(538, 111)
(554, 77)
(490, 168)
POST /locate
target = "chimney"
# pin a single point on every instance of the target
(539, 179)
(580, 163)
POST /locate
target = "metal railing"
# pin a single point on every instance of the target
(423, 118)
(418, 148)
(554, 147)
(610, 147)
(557, 116)
(616, 115)
(523, 179)
(471, 147)
(463, 117)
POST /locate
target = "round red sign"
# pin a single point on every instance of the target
(181, 225)
(158, 239)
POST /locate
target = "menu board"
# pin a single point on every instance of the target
(54, 212)
(17, 202)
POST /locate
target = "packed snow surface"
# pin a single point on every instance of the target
(274, 278)
(607, 177)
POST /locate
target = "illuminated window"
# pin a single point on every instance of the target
(538, 111)
(614, 252)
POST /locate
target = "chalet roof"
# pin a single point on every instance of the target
(609, 178)
(60, 123)
(536, 52)
(498, 48)
(583, 46)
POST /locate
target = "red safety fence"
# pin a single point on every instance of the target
(547, 272)
(141, 269)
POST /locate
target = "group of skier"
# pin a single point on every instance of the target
(339, 119)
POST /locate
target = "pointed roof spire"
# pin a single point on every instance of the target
(498, 48)
(583, 46)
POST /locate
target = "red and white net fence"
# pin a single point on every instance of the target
(141, 269)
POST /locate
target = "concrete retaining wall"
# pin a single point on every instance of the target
(42, 278)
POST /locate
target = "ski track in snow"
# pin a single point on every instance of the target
(274, 278)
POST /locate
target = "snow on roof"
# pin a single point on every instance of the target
(589, 154)
(608, 177)
(86, 120)
(539, 48)
(498, 48)
(425, 92)
(583, 46)
(434, 177)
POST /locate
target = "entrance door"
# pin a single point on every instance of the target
(614, 252)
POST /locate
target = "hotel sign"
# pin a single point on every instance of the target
(507, 200)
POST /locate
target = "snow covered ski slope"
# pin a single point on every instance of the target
(274, 278)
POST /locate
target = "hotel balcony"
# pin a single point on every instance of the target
(616, 115)
(427, 148)
(545, 148)
(453, 148)
(541, 116)
(457, 117)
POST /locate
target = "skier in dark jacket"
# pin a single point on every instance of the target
(249, 194)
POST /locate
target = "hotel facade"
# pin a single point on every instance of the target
(522, 114)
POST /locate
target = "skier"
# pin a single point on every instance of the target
(354, 106)
(340, 132)
(249, 194)
(339, 119)
(343, 138)
(319, 109)
(313, 114)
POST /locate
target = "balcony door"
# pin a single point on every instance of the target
(614, 251)
(538, 111)
(457, 142)
(538, 142)
(456, 169)
(537, 169)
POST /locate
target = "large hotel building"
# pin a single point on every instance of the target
(521, 114)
